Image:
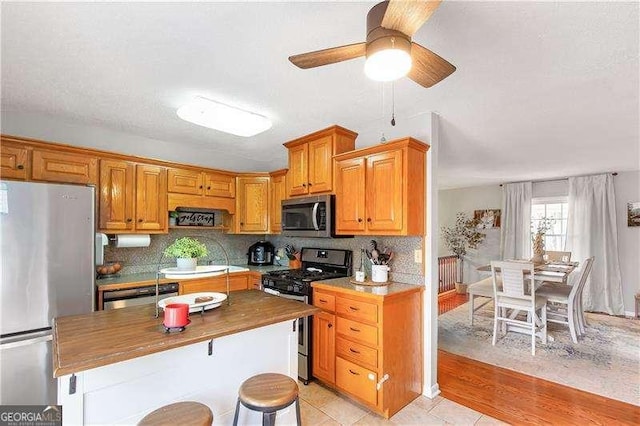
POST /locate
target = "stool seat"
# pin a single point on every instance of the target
(268, 393)
(268, 390)
(188, 413)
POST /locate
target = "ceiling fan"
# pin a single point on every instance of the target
(389, 50)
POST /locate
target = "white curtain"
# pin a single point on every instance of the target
(515, 231)
(592, 231)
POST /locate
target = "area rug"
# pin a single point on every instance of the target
(606, 361)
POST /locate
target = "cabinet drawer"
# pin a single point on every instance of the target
(357, 380)
(357, 353)
(357, 331)
(355, 309)
(324, 301)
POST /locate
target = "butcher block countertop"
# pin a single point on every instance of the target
(83, 342)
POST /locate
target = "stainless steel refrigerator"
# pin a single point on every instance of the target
(47, 240)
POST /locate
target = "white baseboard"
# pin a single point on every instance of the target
(432, 392)
(629, 314)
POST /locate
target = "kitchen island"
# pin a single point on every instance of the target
(116, 366)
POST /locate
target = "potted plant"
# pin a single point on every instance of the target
(458, 238)
(173, 218)
(186, 250)
(544, 225)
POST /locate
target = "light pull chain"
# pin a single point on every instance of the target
(393, 103)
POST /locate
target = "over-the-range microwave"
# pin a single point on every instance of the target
(309, 217)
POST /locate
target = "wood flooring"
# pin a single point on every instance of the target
(517, 399)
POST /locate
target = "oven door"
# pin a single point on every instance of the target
(301, 324)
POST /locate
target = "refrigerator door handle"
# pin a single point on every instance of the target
(10, 344)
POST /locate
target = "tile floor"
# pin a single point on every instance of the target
(322, 406)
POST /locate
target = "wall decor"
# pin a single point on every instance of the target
(194, 218)
(633, 214)
(489, 218)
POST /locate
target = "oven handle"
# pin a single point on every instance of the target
(315, 216)
(286, 296)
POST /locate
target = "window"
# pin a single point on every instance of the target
(555, 209)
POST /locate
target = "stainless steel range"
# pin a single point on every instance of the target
(317, 264)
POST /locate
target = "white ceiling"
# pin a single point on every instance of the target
(541, 89)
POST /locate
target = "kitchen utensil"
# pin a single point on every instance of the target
(176, 315)
(374, 251)
(290, 251)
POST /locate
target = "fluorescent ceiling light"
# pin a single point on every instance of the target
(228, 119)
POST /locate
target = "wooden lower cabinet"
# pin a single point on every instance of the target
(218, 284)
(369, 347)
(255, 281)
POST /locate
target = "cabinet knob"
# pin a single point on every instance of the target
(20, 167)
(200, 186)
(208, 187)
(329, 325)
(368, 219)
(359, 219)
(129, 220)
(310, 184)
(140, 220)
(304, 184)
(241, 223)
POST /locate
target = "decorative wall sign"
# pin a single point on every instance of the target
(186, 218)
(489, 218)
(633, 214)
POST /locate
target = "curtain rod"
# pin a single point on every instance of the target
(564, 178)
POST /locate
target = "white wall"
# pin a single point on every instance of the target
(627, 188)
(466, 200)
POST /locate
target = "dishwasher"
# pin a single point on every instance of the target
(138, 296)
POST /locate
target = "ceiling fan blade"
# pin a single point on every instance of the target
(407, 16)
(329, 56)
(428, 68)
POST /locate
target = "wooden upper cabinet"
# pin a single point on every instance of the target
(298, 177)
(252, 204)
(58, 166)
(117, 191)
(185, 181)
(151, 198)
(381, 190)
(219, 185)
(311, 160)
(14, 162)
(196, 182)
(350, 211)
(278, 186)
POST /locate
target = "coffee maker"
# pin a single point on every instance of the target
(261, 253)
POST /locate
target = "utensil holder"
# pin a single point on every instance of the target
(379, 273)
(295, 264)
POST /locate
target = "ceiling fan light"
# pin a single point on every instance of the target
(225, 118)
(387, 64)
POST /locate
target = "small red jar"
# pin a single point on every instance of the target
(176, 315)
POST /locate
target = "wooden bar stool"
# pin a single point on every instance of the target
(268, 393)
(181, 413)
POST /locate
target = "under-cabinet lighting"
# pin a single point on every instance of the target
(228, 119)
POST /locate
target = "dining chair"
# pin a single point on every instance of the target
(557, 256)
(518, 293)
(565, 302)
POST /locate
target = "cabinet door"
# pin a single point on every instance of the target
(278, 193)
(116, 195)
(183, 181)
(253, 204)
(324, 347)
(320, 165)
(298, 170)
(384, 192)
(13, 162)
(350, 196)
(220, 185)
(52, 166)
(151, 198)
(215, 284)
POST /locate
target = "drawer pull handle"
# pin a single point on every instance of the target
(354, 351)
(355, 373)
(353, 308)
(354, 329)
(323, 301)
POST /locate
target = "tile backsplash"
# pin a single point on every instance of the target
(146, 259)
